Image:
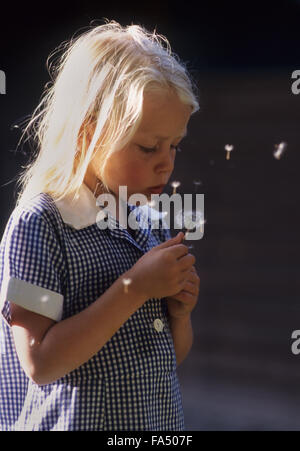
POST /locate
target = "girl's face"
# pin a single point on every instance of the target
(148, 159)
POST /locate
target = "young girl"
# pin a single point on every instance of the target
(78, 350)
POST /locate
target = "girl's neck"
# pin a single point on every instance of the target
(96, 187)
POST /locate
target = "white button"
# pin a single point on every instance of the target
(158, 325)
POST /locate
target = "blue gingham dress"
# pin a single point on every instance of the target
(131, 383)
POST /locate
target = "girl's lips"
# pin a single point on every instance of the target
(156, 189)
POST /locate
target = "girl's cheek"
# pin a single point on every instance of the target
(135, 180)
(137, 175)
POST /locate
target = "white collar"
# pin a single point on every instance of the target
(82, 211)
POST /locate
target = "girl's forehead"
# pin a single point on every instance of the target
(164, 126)
(164, 130)
(155, 136)
(164, 118)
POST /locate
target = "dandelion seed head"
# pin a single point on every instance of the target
(127, 281)
(189, 219)
(197, 182)
(151, 203)
(175, 184)
(279, 150)
(45, 298)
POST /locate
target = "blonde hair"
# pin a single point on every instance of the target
(98, 84)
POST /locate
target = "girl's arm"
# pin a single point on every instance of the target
(180, 307)
(48, 350)
(183, 337)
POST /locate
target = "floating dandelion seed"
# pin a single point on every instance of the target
(126, 282)
(229, 148)
(175, 185)
(190, 220)
(151, 203)
(197, 183)
(45, 298)
(14, 127)
(279, 150)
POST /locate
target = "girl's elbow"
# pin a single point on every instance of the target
(35, 375)
(42, 379)
(39, 375)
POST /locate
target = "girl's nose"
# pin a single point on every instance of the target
(166, 160)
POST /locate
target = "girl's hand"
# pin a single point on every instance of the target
(182, 303)
(163, 271)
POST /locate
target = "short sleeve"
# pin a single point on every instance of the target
(32, 266)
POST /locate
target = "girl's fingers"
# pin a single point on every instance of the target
(186, 262)
(193, 278)
(185, 297)
(190, 287)
(190, 270)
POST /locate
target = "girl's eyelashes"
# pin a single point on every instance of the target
(149, 150)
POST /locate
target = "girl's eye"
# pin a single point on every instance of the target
(149, 150)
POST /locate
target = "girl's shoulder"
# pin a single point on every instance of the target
(32, 258)
(41, 204)
(38, 212)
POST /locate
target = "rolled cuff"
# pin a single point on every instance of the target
(34, 298)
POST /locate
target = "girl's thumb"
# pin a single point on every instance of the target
(171, 241)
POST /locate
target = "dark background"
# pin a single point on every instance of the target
(241, 373)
